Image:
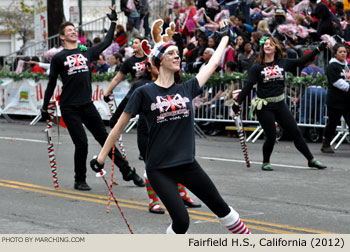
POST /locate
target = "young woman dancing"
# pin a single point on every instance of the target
(171, 147)
(269, 74)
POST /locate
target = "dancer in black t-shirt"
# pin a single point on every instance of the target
(338, 95)
(72, 65)
(134, 65)
(269, 73)
(170, 157)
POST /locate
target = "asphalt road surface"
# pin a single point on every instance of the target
(292, 199)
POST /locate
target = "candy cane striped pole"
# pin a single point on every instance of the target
(102, 174)
(52, 157)
(240, 130)
(110, 105)
(121, 145)
(241, 136)
(110, 186)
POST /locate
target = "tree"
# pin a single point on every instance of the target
(18, 18)
(55, 16)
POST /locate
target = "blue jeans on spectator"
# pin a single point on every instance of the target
(246, 11)
(232, 9)
(135, 20)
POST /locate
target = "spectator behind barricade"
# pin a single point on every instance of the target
(346, 26)
(134, 15)
(256, 19)
(246, 59)
(239, 47)
(81, 37)
(132, 32)
(212, 43)
(256, 36)
(212, 8)
(339, 10)
(241, 27)
(112, 62)
(338, 95)
(121, 37)
(263, 28)
(112, 49)
(328, 23)
(188, 24)
(96, 41)
(101, 66)
(232, 5)
(289, 7)
(229, 68)
(280, 19)
(313, 99)
(195, 67)
(268, 11)
(34, 64)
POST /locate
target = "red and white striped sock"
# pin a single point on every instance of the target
(233, 223)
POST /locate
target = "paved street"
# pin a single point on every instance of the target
(291, 199)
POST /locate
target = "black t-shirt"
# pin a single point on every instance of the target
(135, 66)
(270, 77)
(337, 98)
(168, 112)
(73, 67)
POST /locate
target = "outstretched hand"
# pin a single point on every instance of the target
(322, 46)
(223, 31)
(95, 165)
(236, 107)
(113, 15)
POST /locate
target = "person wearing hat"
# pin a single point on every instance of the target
(170, 157)
(269, 105)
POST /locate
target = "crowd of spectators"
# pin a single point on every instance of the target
(298, 24)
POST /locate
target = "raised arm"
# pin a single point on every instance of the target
(109, 37)
(214, 61)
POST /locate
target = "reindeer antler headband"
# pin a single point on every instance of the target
(161, 42)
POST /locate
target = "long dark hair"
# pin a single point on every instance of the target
(278, 53)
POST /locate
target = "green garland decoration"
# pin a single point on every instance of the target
(214, 80)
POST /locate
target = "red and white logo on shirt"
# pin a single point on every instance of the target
(76, 63)
(170, 106)
(346, 75)
(272, 72)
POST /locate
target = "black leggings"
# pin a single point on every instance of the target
(164, 182)
(75, 117)
(279, 112)
(334, 116)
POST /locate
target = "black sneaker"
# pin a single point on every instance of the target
(316, 164)
(82, 186)
(266, 167)
(132, 175)
(190, 203)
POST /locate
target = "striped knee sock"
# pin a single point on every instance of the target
(234, 224)
(153, 197)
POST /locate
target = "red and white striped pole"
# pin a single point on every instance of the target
(52, 157)
(240, 130)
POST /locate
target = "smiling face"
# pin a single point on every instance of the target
(70, 34)
(341, 54)
(269, 47)
(136, 45)
(171, 59)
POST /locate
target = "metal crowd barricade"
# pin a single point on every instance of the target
(306, 103)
